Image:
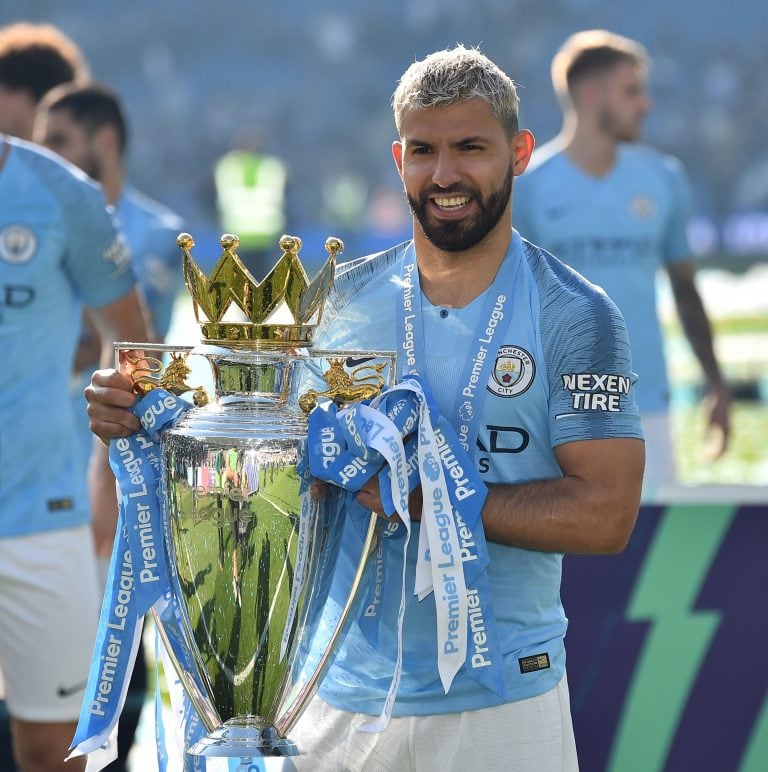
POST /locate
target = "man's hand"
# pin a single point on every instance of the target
(717, 405)
(109, 396)
(370, 497)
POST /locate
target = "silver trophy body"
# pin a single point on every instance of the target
(252, 556)
(256, 611)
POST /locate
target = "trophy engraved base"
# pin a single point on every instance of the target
(242, 736)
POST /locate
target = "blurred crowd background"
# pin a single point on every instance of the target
(310, 82)
(314, 78)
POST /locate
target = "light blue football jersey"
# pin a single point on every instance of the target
(58, 250)
(150, 229)
(616, 230)
(567, 345)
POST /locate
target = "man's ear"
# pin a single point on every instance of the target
(397, 154)
(522, 144)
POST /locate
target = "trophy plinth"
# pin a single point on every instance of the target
(251, 554)
(240, 737)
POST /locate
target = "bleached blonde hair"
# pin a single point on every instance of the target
(456, 75)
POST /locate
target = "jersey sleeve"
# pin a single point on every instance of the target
(161, 274)
(588, 361)
(677, 246)
(97, 258)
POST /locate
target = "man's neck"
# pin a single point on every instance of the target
(112, 185)
(111, 179)
(455, 279)
(593, 151)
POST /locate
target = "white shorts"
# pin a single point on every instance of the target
(660, 464)
(533, 735)
(49, 611)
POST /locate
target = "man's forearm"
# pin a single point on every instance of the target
(591, 508)
(696, 326)
(564, 514)
(699, 334)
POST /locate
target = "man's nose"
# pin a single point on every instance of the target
(446, 172)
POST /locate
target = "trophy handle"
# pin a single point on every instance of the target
(208, 716)
(289, 718)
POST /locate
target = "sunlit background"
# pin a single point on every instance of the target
(314, 79)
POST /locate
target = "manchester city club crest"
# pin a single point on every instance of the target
(18, 244)
(643, 207)
(513, 372)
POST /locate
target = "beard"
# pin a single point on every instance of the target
(620, 131)
(92, 167)
(460, 235)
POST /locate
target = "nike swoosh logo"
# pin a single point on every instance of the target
(566, 415)
(353, 362)
(68, 691)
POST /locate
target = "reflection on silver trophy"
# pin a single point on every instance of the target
(251, 554)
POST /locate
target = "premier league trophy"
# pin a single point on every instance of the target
(251, 553)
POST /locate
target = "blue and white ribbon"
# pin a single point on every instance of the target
(484, 662)
(138, 571)
(349, 446)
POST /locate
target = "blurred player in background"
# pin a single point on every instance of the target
(59, 250)
(86, 125)
(616, 211)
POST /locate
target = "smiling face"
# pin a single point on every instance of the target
(457, 164)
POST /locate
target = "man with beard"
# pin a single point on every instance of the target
(85, 124)
(500, 330)
(616, 211)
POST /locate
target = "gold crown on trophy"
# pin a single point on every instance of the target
(282, 310)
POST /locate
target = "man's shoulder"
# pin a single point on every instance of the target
(363, 273)
(558, 281)
(51, 170)
(157, 215)
(571, 307)
(52, 194)
(641, 156)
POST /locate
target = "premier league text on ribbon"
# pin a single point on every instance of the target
(409, 316)
(138, 574)
(115, 643)
(497, 314)
(132, 465)
(477, 630)
(477, 372)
